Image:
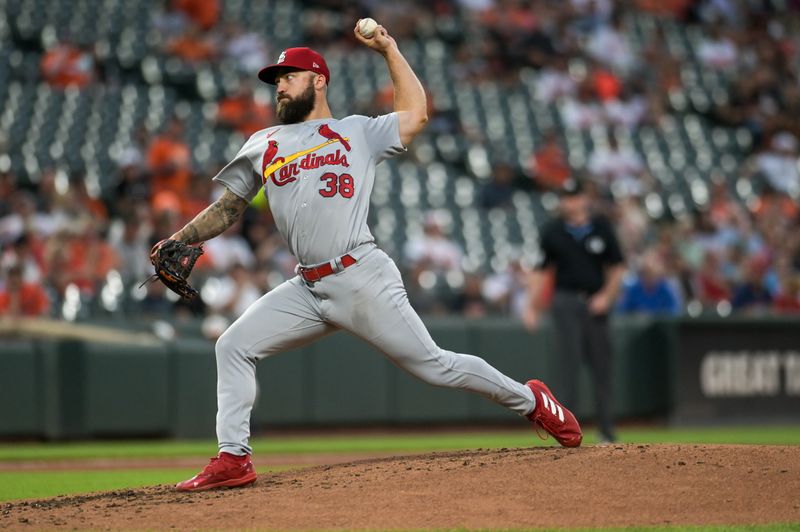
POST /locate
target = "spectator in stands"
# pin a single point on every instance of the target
(229, 249)
(717, 51)
(750, 295)
(82, 257)
(433, 250)
(588, 15)
(19, 298)
(169, 161)
(132, 189)
(507, 291)
(649, 291)
(779, 164)
(51, 187)
(271, 251)
(243, 111)
(722, 207)
(554, 81)
(201, 190)
(167, 19)
(469, 302)
(423, 293)
(718, 11)
(499, 191)
(234, 292)
(247, 48)
(68, 65)
(468, 65)
(535, 47)
(780, 269)
(193, 46)
(79, 196)
(628, 110)
(548, 165)
(133, 152)
(709, 285)
(163, 222)
(618, 169)
(131, 242)
(154, 301)
(26, 254)
(632, 222)
(609, 45)
(605, 83)
(773, 207)
(204, 13)
(25, 219)
(583, 112)
(787, 300)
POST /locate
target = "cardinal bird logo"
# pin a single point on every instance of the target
(269, 155)
(330, 134)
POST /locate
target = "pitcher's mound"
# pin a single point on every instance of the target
(597, 486)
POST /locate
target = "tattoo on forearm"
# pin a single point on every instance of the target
(214, 219)
(190, 234)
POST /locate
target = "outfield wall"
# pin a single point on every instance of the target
(79, 388)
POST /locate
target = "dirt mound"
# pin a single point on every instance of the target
(508, 488)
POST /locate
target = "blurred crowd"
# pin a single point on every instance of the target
(67, 251)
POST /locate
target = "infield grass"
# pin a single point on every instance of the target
(382, 443)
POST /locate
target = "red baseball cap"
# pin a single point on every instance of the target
(300, 58)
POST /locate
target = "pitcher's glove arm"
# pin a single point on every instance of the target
(173, 261)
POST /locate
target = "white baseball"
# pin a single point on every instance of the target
(366, 27)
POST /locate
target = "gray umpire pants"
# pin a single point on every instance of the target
(581, 335)
(367, 299)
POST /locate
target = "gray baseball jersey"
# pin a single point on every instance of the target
(318, 176)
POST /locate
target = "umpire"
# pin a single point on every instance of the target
(583, 253)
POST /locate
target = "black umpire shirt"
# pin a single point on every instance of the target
(579, 254)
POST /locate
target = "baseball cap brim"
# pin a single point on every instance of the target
(268, 74)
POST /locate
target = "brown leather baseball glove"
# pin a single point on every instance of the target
(173, 261)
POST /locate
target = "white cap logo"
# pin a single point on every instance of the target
(315, 65)
(596, 245)
(282, 57)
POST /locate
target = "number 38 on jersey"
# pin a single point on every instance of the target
(337, 184)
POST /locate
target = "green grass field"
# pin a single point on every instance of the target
(40, 484)
(399, 443)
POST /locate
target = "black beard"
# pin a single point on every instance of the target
(292, 111)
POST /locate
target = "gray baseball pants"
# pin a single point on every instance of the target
(367, 299)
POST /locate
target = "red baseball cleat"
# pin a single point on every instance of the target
(223, 471)
(554, 417)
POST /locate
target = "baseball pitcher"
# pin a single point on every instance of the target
(318, 173)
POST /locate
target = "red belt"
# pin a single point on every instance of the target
(312, 275)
